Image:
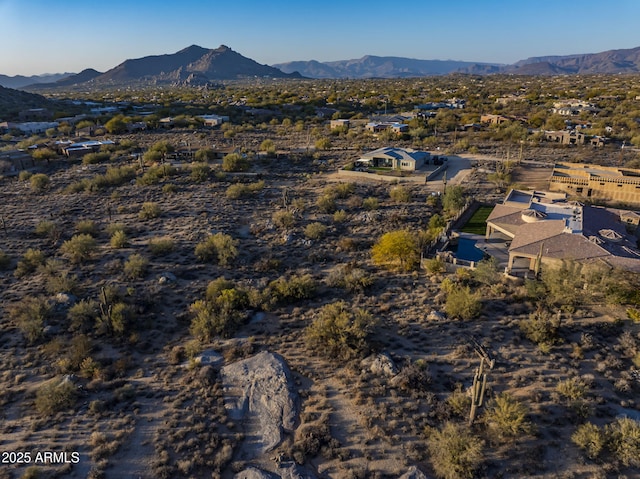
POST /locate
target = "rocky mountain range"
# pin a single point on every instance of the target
(193, 66)
(196, 66)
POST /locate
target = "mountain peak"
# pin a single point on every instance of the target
(192, 49)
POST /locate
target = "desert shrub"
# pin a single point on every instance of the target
(218, 247)
(47, 229)
(633, 314)
(486, 271)
(461, 303)
(397, 249)
(82, 315)
(29, 314)
(240, 190)
(93, 158)
(5, 261)
(454, 451)
(340, 190)
(350, 277)
(221, 313)
(340, 216)
(295, 288)
(541, 328)
(435, 266)
(39, 182)
(119, 239)
(327, 204)
(414, 376)
(55, 395)
(136, 266)
(155, 174)
(115, 318)
(78, 248)
(623, 439)
(169, 188)
(61, 282)
(24, 175)
(234, 162)
(149, 211)
(340, 331)
(283, 219)
(460, 402)
(370, 203)
(114, 176)
(315, 230)
(507, 416)
(572, 389)
(161, 246)
(113, 227)
(29, 263)
(400, 194)
(200, 172)
(589, 438)
(87, 227)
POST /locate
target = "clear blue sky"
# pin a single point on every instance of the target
(44, 36)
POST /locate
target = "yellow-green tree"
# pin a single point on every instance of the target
(397, 249)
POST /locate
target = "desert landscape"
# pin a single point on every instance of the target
(200, 279)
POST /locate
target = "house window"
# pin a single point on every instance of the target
(579, 190)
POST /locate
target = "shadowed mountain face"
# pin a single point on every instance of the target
(13, 101)
(218, 64)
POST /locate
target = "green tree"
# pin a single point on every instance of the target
(397, 249)
(44, 154)
(116, 125)
(453, 199)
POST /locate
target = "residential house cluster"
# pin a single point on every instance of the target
(547, 228)
(405, 159)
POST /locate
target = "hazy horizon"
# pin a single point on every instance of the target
(70, 36)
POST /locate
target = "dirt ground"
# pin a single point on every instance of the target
(146, 411)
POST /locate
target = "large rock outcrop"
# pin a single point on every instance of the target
(259, 392)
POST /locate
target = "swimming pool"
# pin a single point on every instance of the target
(468, 251)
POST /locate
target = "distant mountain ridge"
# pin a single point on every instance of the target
(195, 66)
(371, 66)
(20, 81)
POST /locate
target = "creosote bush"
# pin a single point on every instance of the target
(507, 416)
(218, 247)
(283, 219)
(315, 230)
(161, 246)
(87, 227)
(29, 314)
(340, 331)
(55, 395)
(400, 194)
(454, 451)
(463, 304)
(32, 259)
(136, 266)
(39, 182)
(149, 211)
(79, 248)
(119, 239)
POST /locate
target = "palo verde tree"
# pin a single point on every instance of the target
(397, 249)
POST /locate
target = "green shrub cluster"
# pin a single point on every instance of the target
(39, 182)
(161, 246)
(621, 439)
(79, 248)
(341, 331)
(350, 277)
(222, 311)
(136, 266)
(461, 303)
(93, 158)
(29, 314)
(295, 288)
(240, 190)
(218, 247)
(55, 395)
(454, 451)
(31, 260)
(149, 210)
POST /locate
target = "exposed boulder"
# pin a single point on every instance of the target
(259, 392)
(381, 364)
(413, 473)
(255, 473)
